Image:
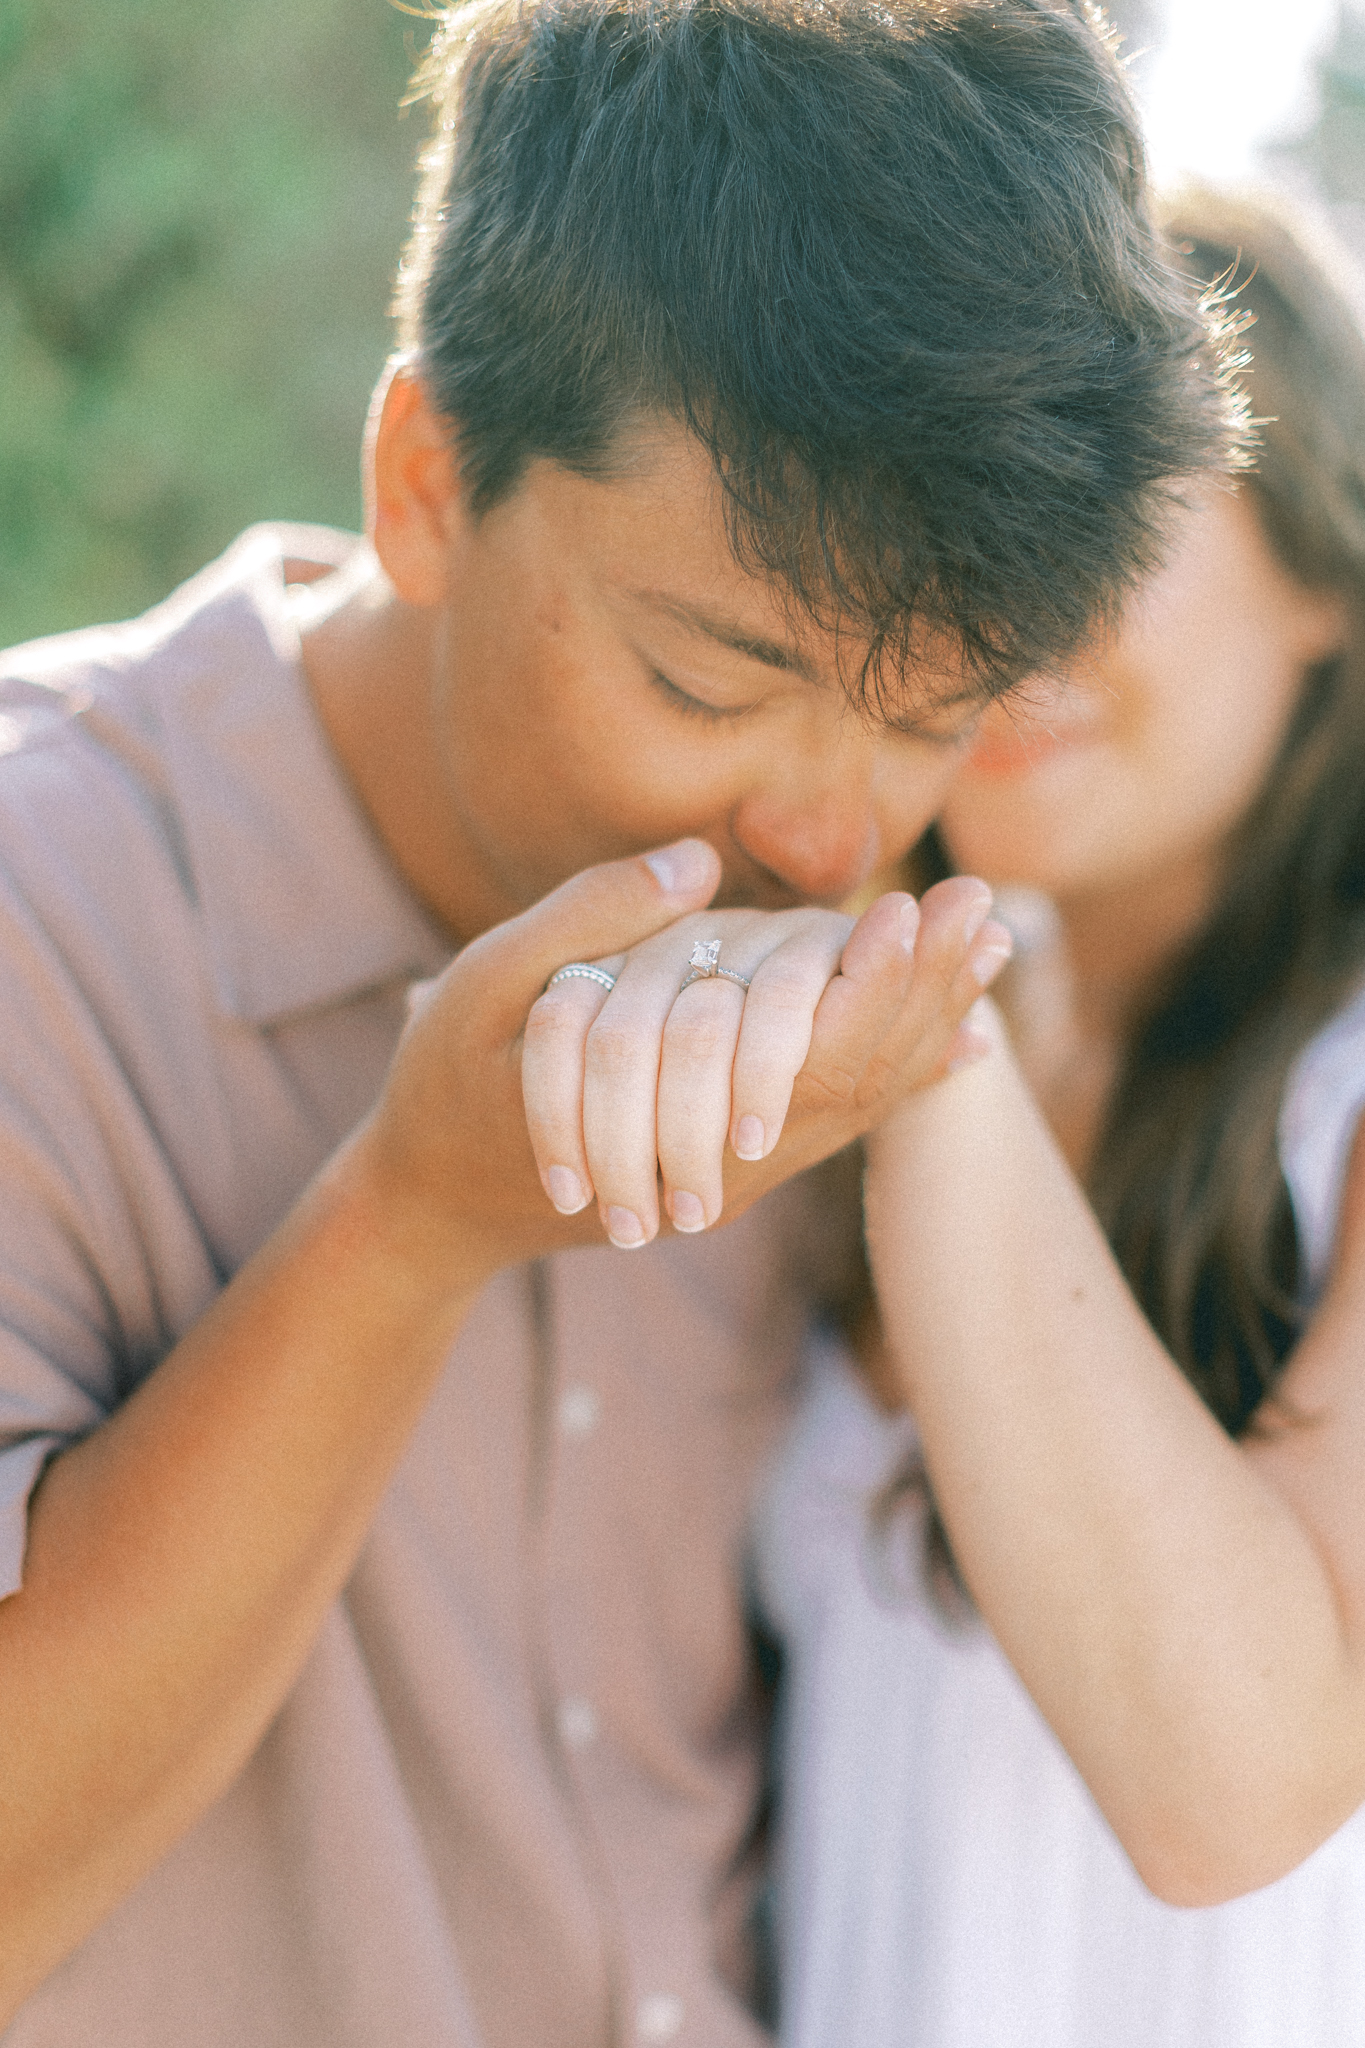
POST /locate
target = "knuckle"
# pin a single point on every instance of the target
(880, 1077)
(829, 1085)
(786, 989)
(939, 971)
(695, 1038)
(552, 1022)
(612, 1048)
(811, 919)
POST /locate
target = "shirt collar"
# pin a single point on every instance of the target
(301, 903)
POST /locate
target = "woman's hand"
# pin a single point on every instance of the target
(647, 1082)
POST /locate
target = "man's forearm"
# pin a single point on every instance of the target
(181, 1558)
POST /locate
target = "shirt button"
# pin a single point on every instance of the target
(659, 2017)
(579, 1409)
(577, 1729)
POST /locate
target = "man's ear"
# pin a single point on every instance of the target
(412, 487)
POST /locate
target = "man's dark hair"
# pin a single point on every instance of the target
(891, 263)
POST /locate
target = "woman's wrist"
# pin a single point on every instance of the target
(949, 1106)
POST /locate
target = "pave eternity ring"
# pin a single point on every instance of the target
(705, 954)
(579, 970)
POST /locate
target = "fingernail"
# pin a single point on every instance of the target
(684, 868)
(909, 925)
(625, 1229)
(750, 1138)
(688, 1213)
(987, 961)
(971, 1048)
(566, 1190)
(975, 918)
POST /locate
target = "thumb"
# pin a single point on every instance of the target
(604, 910)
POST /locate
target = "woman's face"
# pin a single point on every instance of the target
(1136, 766)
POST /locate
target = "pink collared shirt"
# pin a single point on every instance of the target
(508, 1801)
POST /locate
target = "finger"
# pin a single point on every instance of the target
(861, 1004)
(602, 911)
(977, 1033)
(953, 918)
(992, 951)
(775, 1032)
(620, 1093)
(622, 1068)
(622, 1065)
(694, 1091)
(552, 1084)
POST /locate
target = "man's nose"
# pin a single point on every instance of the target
(861, 806)
(823, 845)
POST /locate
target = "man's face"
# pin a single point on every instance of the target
(608, 679)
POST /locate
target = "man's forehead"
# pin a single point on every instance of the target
(672, 555)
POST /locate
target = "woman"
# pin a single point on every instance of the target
(1147, 1453)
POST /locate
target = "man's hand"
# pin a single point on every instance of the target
(446, 1150)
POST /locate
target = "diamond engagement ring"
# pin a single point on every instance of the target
(705, 954)
(579, 970)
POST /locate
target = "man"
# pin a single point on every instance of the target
(778, 384)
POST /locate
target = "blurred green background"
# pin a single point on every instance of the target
(201, 209)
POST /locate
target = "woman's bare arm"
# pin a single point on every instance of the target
(1188, 1613)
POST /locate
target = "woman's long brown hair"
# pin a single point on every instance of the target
(1186, 1176)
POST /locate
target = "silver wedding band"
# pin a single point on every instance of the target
(580, 970)
(705, 967)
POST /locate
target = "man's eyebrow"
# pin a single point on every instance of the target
(727, 633)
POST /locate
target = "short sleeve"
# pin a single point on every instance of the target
(100, 1263)
(64, 1230)
(27, 1441)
